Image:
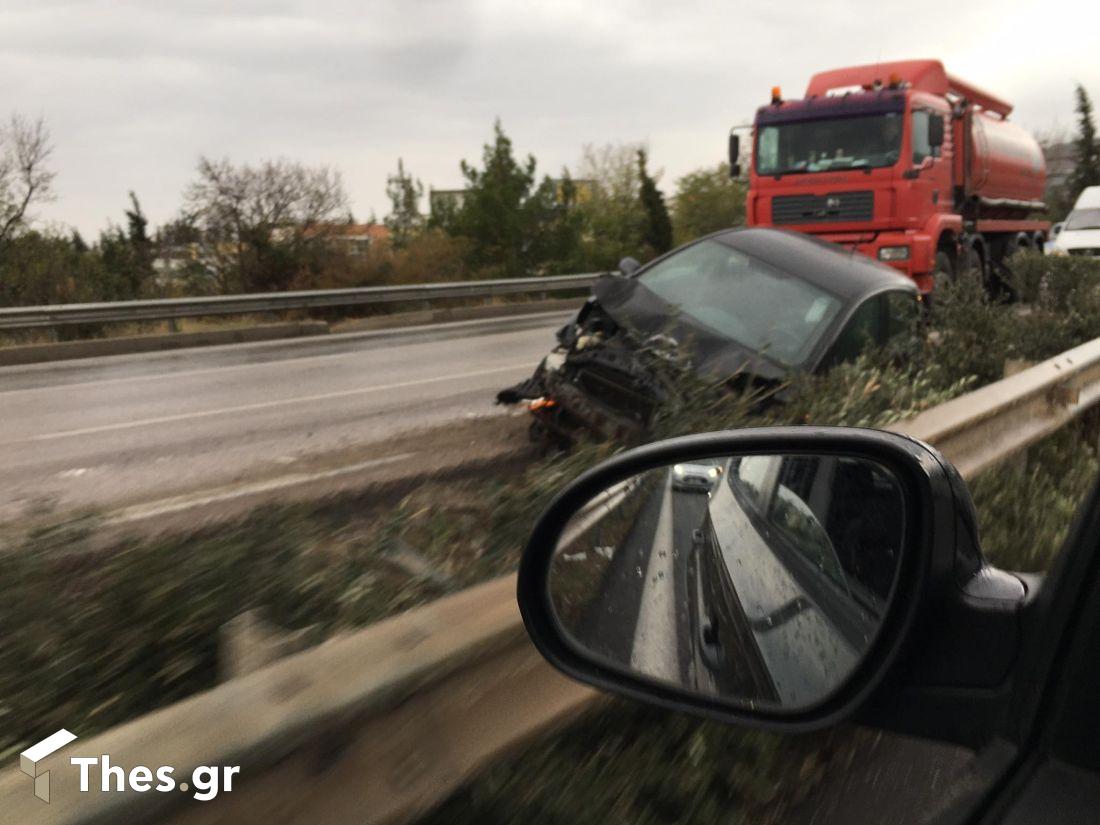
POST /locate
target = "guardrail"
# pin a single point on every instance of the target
(380, 725)
(167, 308)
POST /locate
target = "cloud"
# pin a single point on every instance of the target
(135, 92)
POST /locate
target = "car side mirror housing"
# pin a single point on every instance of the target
(628, 266)
(786, 578)
(735, 155)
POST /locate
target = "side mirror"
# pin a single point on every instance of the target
(628, 266)
(735, 155)
(779, 577)
(935, 131)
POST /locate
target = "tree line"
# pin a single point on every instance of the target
(271, 226)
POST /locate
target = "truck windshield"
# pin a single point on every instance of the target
(1083, 219)
(822, 145)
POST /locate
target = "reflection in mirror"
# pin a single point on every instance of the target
(761, 580)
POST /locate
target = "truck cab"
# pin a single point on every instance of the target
(902, 163)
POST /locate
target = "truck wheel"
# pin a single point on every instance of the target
(943, 273)
(973, 266)
(1001, 278)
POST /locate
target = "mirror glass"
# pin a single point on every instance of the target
(758, 579)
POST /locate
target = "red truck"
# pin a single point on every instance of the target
(902, 162)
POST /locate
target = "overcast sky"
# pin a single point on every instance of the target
(134, 92)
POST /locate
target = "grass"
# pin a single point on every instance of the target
(1026, 509)
(629, 763)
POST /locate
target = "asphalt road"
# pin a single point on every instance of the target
(640, 619)
(113, 431)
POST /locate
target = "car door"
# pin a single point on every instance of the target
(1001, 684)
(1056, 712)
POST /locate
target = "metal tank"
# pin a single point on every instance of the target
(1006, 163)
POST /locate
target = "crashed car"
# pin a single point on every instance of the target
(754, 303)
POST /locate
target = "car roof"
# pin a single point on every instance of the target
(844, 273)
(1089, 198)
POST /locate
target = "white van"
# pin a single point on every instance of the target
(1080, 233)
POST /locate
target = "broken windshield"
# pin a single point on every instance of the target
(745, 300)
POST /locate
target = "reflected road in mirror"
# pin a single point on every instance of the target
(761, 580)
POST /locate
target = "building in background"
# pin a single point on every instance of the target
(353, 238)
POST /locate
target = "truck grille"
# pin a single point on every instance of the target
(836, 207)
(1093, 252)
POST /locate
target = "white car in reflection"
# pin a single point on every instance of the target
(695, 478)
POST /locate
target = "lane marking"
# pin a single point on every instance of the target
(176, 504)
(264, 405)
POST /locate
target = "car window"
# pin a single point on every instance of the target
(902, 314)
(749, 475)
(1083, 219)
(745, 299)
(921, 147)
(864, 328)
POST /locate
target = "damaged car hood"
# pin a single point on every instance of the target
(609, 371)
